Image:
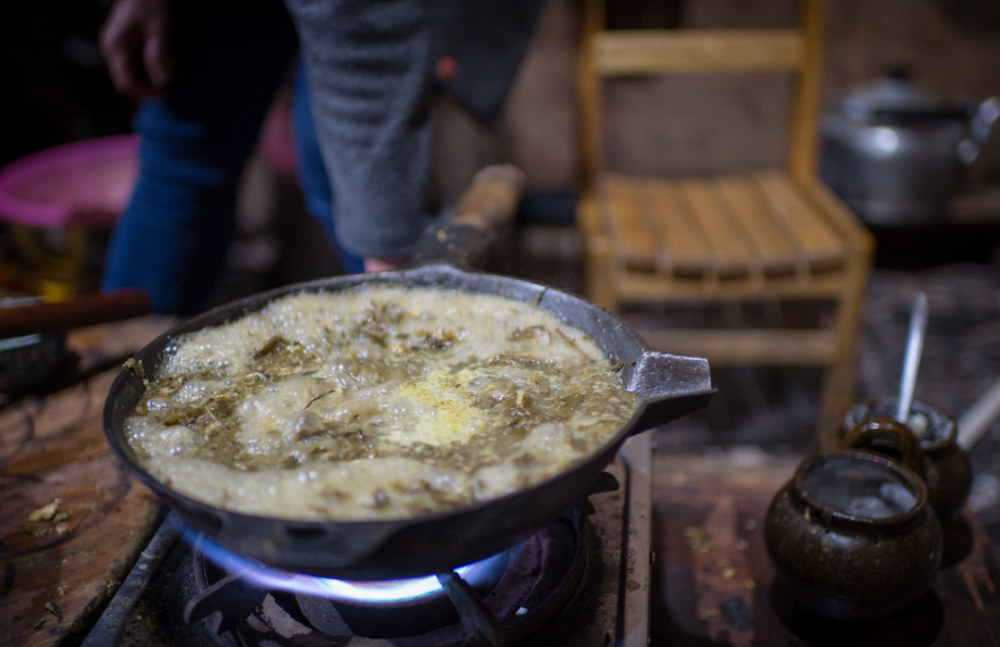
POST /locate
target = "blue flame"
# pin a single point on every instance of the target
(265, 577)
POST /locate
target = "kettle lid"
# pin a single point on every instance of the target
(894, 96)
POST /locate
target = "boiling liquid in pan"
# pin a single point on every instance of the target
(381, 403)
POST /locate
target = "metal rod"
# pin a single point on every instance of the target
(914, 349)
(107, 631)
(977, 420)
(478, 620)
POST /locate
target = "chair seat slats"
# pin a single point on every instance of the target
(775, 251)
(636, 242)
(819, 243)
(731, 254)
(731, 227)
(683, 247)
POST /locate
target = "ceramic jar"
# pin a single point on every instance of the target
(852, 536)
(948, 470)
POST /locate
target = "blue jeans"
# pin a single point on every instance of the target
(231, 56)
(312, 173)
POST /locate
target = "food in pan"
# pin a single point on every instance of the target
(384, 402)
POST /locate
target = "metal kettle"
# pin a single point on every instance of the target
(894, 154)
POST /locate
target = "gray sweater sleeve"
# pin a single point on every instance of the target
(367, 66)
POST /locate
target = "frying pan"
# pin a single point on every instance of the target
(670, 386)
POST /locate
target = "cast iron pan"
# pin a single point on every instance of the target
(670, 386)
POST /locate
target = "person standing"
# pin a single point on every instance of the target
(206, 73)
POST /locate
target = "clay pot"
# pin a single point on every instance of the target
(948, 470)
(852, 536)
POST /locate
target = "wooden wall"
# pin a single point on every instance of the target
(537, 128)
(702, 124)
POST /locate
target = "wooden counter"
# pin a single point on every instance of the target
(711, 575)
(60, 571)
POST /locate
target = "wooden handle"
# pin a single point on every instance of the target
(86, 310)
(492, 199)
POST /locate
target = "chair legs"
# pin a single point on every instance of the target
(839, 380)
(597, 257)
(836, 398)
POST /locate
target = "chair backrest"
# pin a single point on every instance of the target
(669, 51)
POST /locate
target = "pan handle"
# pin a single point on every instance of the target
(84, 310)
(489, 204)
(492, 199)
(657, 373)
(673, 385)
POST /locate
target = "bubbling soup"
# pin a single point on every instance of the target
(379, 403)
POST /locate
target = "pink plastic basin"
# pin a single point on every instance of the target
(83, 183)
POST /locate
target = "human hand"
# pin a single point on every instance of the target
(373, 264)
(135, 42)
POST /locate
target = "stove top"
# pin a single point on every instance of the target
(583, 580)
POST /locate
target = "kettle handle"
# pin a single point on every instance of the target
(980, 125)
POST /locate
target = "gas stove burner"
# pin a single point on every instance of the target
(500, 600)
(573, 583)
(483, 575)
(364, 606)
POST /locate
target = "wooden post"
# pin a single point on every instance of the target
(802, 162)
(588, 86)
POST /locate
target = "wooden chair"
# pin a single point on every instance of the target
(771, 236)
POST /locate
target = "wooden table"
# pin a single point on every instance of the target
(58, 572)
(712, 575)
